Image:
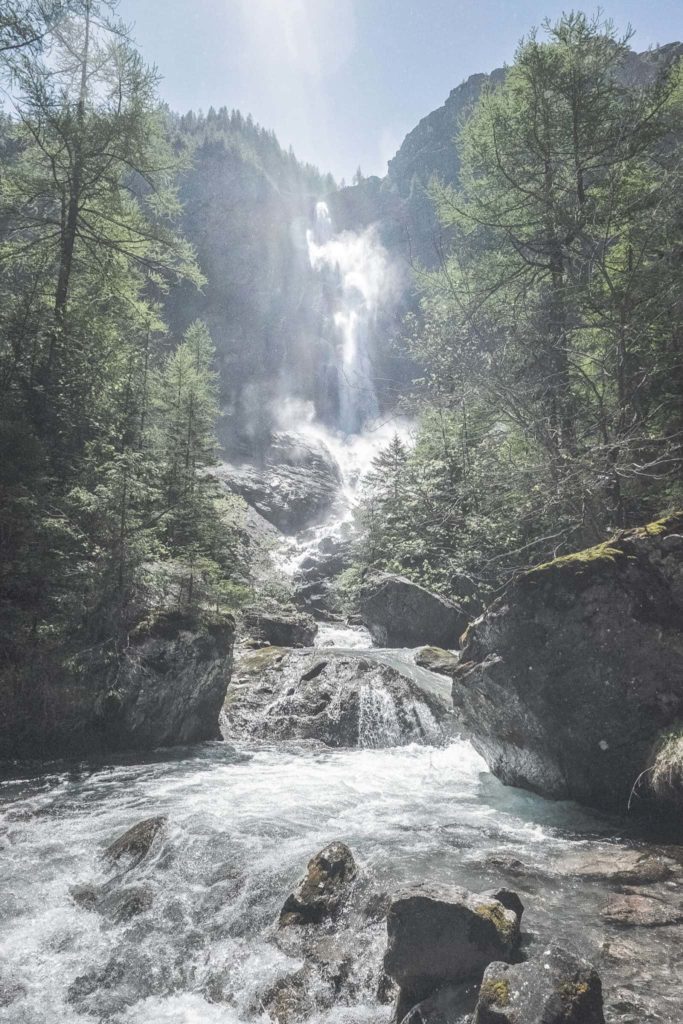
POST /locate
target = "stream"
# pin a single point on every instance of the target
(243, 822)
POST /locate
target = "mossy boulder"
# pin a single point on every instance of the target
(440, 936)
(437, 660)
(566, 682)
(556, 988)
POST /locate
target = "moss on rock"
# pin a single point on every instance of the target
(495, 992)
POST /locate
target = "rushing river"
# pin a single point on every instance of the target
(242, 826)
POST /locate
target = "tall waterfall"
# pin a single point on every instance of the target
(360, 269)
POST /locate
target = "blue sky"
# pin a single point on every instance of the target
(343, 81)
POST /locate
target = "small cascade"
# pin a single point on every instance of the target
(378, 721)
(384, 722)
(359, 266)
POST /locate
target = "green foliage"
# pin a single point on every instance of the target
(107, 425)
(552, 334)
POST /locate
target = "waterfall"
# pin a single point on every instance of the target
(360, 269)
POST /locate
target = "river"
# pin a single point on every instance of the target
(243, 822)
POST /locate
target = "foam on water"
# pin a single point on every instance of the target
(242, 828)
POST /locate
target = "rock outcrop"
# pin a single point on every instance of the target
(326, 885)
(163, 685)
(400, 613)
(297, 482)
(281, 628)
(567, 683)
(342, 700)
(444, 936)
(556, 988)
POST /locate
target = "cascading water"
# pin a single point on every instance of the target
(359, 265)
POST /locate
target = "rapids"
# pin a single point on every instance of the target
(243, 823)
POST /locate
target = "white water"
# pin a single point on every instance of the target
(360, 265)
(242, 828)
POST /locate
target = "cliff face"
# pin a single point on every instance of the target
(569, 683)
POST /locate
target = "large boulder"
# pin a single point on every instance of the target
(557, 988)
(400, 613)
(567, 682)
(340, 699)
(441, 936)
(283, 628)
(161, 685)
(295, 484)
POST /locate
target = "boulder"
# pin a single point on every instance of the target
(282, 628)
(136, 843)
(437, 660)
(294, 485)
(317, 598)
(340, 699)
(161, 685)
(566, 683)
(326, 885)
(444, 936)
(556, 988)
(400, 613)
(171, 682)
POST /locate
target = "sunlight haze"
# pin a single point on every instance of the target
(343, 81)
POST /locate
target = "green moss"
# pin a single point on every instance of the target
(262, 660)
(572, 992)
(661, 527)
(495, 913)
(581, 560)
(608, 552)
(495, 993)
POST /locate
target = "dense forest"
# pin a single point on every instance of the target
(551, 333)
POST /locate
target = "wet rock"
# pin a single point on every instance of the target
(326, 885)
(86, 895)
(400, 613)
(437, 660)
(631, 910)
(340, 699)
(295, 484)
(509, 899)
(124, 904)
(137, 841)
(566, 683)
(556, 988)
(618, 867)
(444, 936)
(280, 628)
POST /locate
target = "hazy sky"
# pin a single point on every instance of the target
(343, 81)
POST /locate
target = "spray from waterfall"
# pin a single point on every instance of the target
(360, 269)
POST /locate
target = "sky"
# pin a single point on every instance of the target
(343, 81)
